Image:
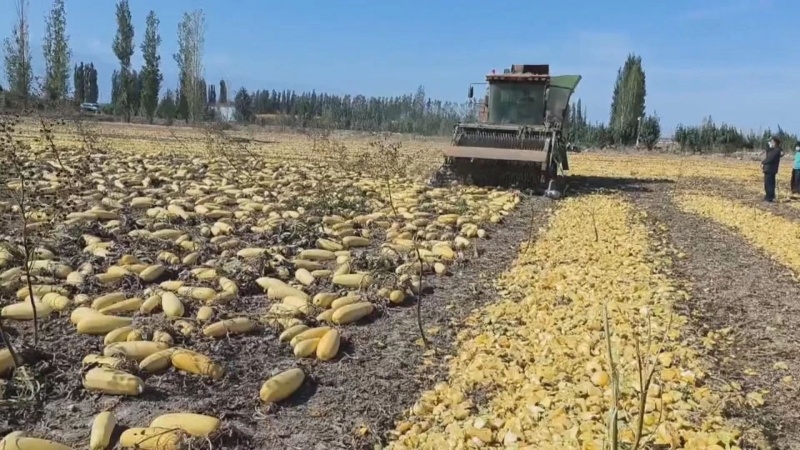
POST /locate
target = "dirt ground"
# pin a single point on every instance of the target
(735, 285)
(348, 403)
(353, 401)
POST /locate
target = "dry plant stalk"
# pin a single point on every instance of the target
(10, 151)
(612, 431)
(593, 213)
(221, 145)
(645, 373)
(385, 160)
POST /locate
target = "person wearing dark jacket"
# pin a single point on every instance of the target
(770, 168)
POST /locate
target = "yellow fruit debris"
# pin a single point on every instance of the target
(538, 354)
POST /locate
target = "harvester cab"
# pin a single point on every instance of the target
(518, 139)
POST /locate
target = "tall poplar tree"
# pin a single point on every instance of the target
(17, 49)
(123, 49)
(223, 92)
(628, 102)
(56, 53)
(151, 73)
(92, 90)
(191, 31)
(79, 83)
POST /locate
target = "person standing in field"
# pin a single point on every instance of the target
(770, 167)
(796, 170)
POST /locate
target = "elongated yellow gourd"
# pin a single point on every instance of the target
(251, 252)
(236, 325)
(325, 316)
(101, 324)
(307, 264)
(328, 345)
(343, 301)
(107, 300)
(151, 273)
(321, 274)
(24, 310)
(397, 296)
(190, 259)
(281, 386)
(355, 241)
(136, 350)
(197, 292)
(172, 305)
(316, 255)
(75, 278)
(150, 304)
(171, 285)
(56, 301)
(304, 276)
(279, 292)
(291, 332)
(226, 284)
(327, 244)
(306, 348)
(29, 443)
(162, 336)
(100, 360)
(199, 425)
(118, 335)
(151, 438)
(127, 305)
(311, 333)
(158, 361)
(204, 313)
(351, 313)
(39, 290)
(324, 299)
(353, 280)
(197, 363)
(82, 312)
(102, 429)
(112, 381)
(443, 251)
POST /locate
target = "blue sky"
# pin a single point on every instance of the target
(736, 60)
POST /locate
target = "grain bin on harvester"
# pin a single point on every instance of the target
(519, 138)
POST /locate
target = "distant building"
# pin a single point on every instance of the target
(225, 113)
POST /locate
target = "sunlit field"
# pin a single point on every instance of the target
(177, 287)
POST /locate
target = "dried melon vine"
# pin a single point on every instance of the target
(531, 371)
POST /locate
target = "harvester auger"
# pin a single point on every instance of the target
(518, 140)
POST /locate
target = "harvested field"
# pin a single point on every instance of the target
(173, 271)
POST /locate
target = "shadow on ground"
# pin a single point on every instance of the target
(582, 185)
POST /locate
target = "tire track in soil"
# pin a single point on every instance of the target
(735, 285)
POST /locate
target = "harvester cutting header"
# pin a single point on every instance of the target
(518, 139)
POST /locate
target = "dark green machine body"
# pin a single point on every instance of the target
(518, 139)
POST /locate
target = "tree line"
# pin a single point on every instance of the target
(629, 124)
(140, 92)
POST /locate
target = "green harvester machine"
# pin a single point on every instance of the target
(519, 138)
